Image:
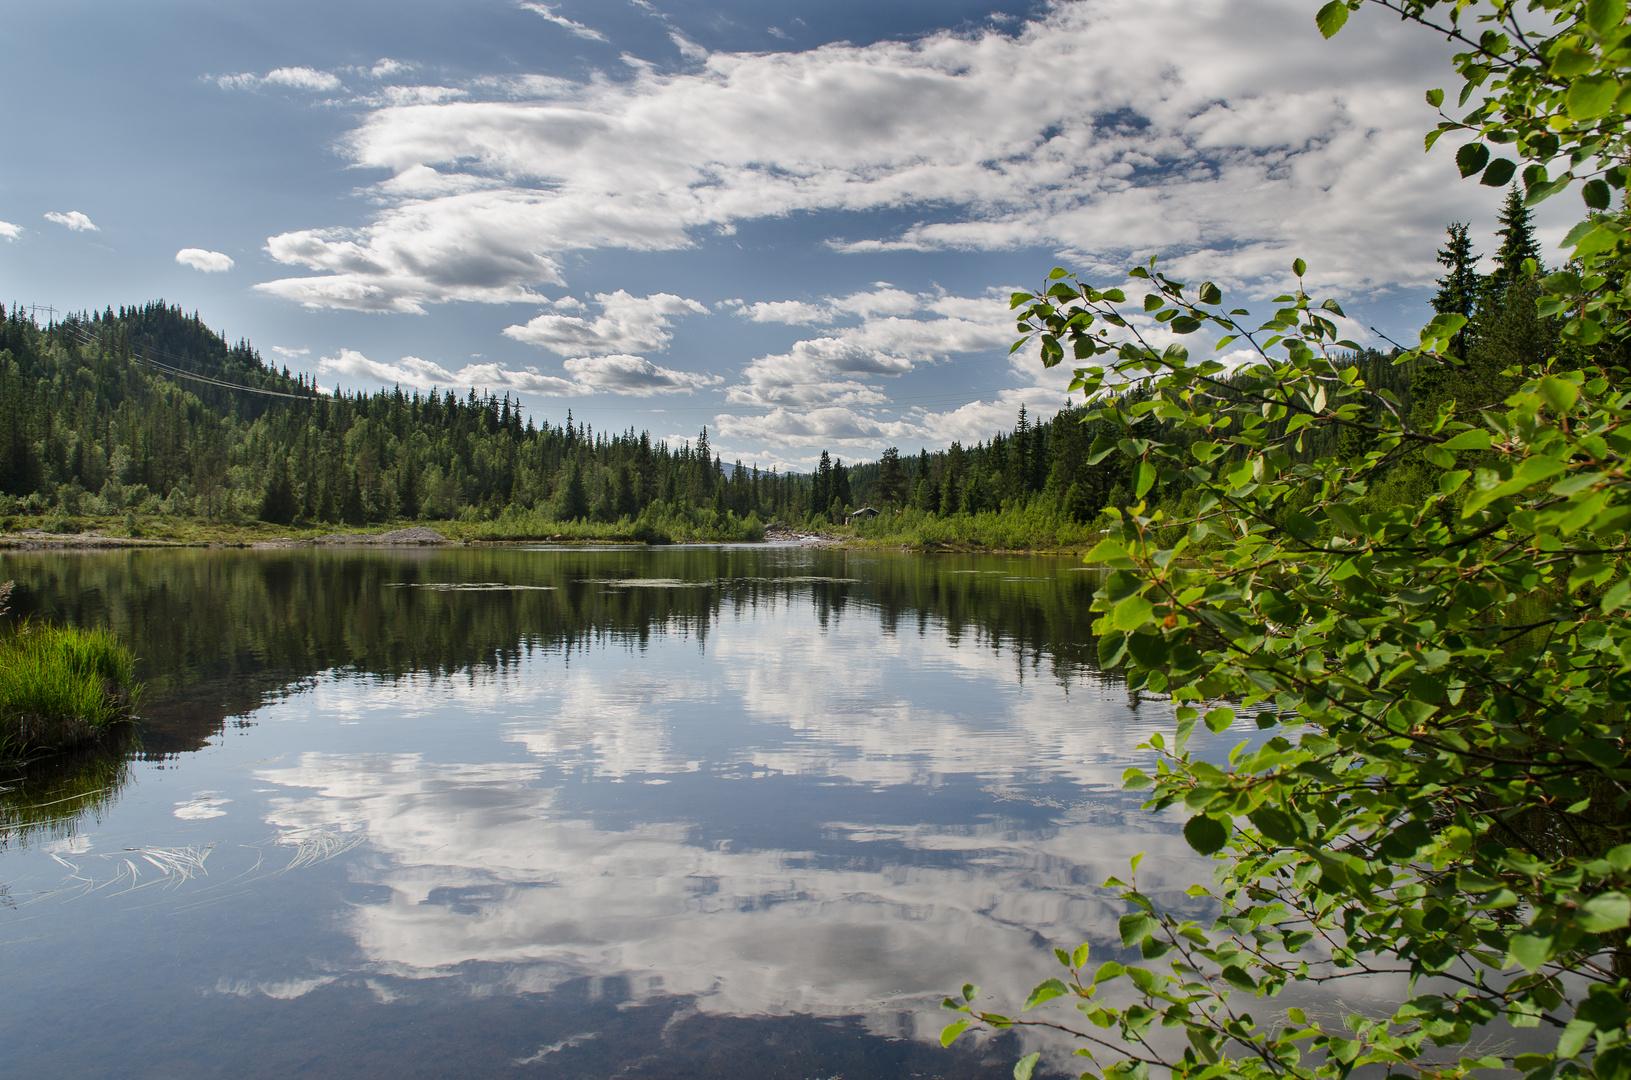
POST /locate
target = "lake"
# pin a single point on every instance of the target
(666, 812)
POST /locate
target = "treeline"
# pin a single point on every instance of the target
(144, 411)
(1041, 483)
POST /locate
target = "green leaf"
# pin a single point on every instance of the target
(1610, 911)
(1275, 824)
(1475, 439)
(1529, 950)
(1435, 98)
(1105, 551)
(1590, 97)
(1344, 518)
(1299, 267)
(1605, 16)
(1206, 834)
(949, 1033)
(1045, 991)
(1451, 482)
(1471, 158)
(1331, 17)
(1596, 194)
(1499, 173)
(1079, 957)
(1131, 613)
(1560, 394)
(1574, 1037)
(1024, 1066)
(1135, 927)
(1146, 479)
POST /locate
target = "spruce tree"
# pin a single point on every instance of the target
(1517, 233)
(1458, 290)
(574, 499)
(891, 477)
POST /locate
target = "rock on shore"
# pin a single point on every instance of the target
(416, 535)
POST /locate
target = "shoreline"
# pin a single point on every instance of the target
(421, 536)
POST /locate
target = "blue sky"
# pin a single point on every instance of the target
(796, 223)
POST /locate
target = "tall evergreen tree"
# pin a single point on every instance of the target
(891, 477)
(1517, 233)
(840, 484)
(1458, 289)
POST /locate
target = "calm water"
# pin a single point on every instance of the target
(501, 812)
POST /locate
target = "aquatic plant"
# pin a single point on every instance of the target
(61, 687)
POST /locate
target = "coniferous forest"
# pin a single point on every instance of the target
(143, 417)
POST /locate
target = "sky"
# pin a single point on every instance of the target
(796, 223)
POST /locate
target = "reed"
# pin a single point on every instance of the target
(61, 687)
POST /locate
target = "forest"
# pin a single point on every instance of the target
(137, 419)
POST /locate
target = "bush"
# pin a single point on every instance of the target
(1428, 625)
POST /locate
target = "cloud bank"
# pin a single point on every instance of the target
(1098, 130)
(631, 376)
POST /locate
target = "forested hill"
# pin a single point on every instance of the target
(146, 411)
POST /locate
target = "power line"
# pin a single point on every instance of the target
(85, 338)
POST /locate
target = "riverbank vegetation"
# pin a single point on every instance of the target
(60, 686)
(1425, 618)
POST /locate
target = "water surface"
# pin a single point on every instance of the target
(495, 812)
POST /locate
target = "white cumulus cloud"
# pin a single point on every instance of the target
(897, 332)
(73, 219)
(1228, 137)
(626, 324)
(10, 231)
(211, 262)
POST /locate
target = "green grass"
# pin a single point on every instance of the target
(1034, 527)
(61, 687)
(659, 524)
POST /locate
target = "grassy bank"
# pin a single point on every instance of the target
(658, 524)
(1032, 528)
(61, 687)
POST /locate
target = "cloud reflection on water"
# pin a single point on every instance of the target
(541, 866)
